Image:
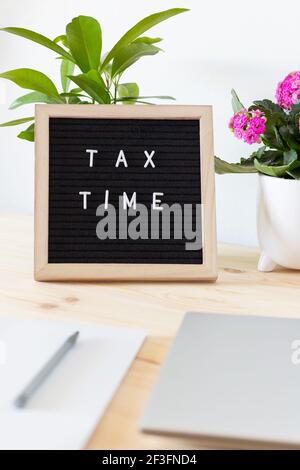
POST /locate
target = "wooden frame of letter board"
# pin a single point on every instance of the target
(44, 271)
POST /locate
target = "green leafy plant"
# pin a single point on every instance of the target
(87, 76)
(277, 128)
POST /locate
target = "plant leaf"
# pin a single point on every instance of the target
(128, 55)
(265, 157)
(268, 157)
(145, 102)
(66, 69)
(72, 95)
(237, 106)
(277, 171)
(76, 90)
(271, 138)
(289, 156)
(33, 97)
(279, 142)
(291, 139)
(294, 173)
(222, 167)
(139, 29)
(147, 40)
(28, 134)
(159, 97)
(63, 39)
(16, 122)
(128, 92)
(295, 108)
(95, 75)
(84, 38)
(75, 100)
(40, 39)
(92, 83)
(260, 152)
(268, 107)
(32, 80)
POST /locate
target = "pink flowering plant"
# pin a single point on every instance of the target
(276, 126)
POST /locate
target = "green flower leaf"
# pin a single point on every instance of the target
(272, 137)
(28, 134)
(16, 122)
(268, 107)
(92, 83)
(222, 167)
(129, 55)
(39, 39)
(277, 171)
(33, 97)
(237, 106)
(140, 28)
(291, 139)
(279, 142)
(32, 80)
(84, 38)
(268, 157)
(289, 156)
(294, 173)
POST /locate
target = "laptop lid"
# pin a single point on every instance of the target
(231, 377)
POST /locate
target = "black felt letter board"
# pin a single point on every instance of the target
(72, 230)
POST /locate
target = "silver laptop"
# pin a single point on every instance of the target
(230, 377)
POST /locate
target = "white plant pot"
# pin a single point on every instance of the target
(278, 223)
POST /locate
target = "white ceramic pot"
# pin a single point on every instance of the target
(278, 223)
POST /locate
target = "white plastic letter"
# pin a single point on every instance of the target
(106, 199)
(156, 202)
(91, 152)
(121, 158)
(127, 203)
(85, 194)
(149, 158)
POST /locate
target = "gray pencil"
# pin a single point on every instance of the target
(36, 382)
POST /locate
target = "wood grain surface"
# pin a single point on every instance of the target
(158, 307)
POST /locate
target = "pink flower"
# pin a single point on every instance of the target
(240, 120)
(288, 91)
(257, 113)
(239, 133)
(248, 125)
(251, 137)
(258, 125)
(231, 122)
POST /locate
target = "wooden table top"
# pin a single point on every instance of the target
(158, 307)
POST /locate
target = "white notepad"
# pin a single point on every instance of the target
(66, 409)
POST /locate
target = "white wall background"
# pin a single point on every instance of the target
(216, 46)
